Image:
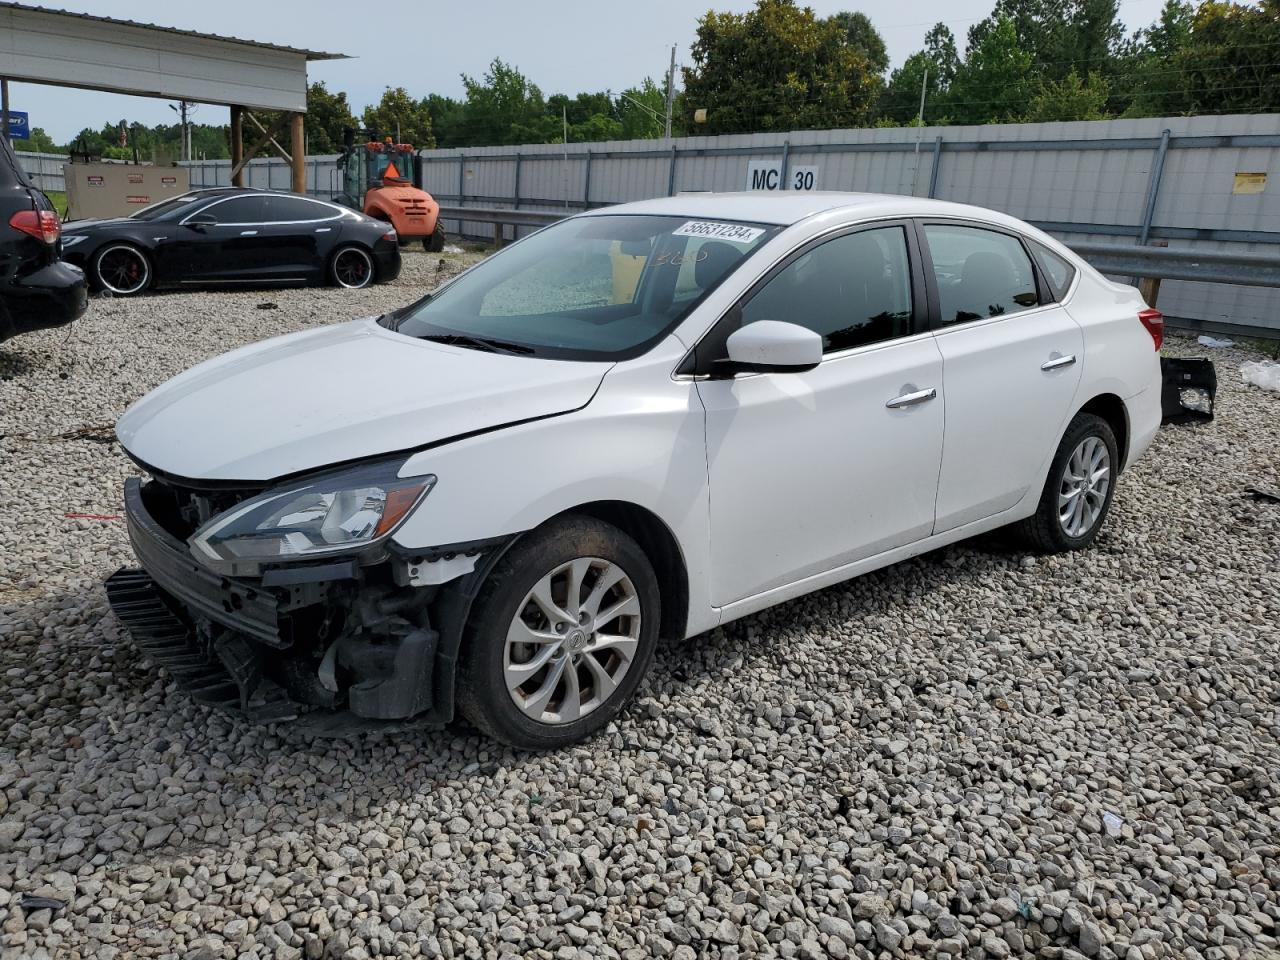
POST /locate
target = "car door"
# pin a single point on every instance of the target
(1011, 365)
(814, 470)
(297, 229)
(234, 246)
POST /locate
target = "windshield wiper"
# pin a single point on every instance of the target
(487, 344)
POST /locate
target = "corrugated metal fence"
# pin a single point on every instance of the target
(45, 169)
(1209, 182)
(1203, 182)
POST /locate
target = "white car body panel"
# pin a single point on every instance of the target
(355, 390)
(818, 500)
(772, 485)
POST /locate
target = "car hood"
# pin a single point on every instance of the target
(312, 399)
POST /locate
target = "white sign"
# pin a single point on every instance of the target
(767, 175)
(711, 230)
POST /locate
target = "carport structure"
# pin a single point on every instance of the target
(42, 45)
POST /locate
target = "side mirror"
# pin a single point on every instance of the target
(198, 221)
(770, 346)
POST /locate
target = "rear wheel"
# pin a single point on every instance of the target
(435, 242)
(351, 267)
(1077, 494)
(563, 633)
(121, 269)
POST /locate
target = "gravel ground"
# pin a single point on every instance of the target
(976, 753)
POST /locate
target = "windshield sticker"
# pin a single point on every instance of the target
(711, 230)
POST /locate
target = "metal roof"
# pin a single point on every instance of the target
(309, 54)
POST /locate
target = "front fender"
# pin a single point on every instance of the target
(641, 440)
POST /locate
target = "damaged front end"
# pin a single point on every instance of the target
(339, 639)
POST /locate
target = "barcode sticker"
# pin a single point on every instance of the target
(711, 230)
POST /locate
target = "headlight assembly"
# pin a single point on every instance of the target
(338, 513)
(71, 239)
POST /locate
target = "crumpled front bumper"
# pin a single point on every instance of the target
(231, 643)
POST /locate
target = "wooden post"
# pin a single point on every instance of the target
(1149, 287)
(298, 154)
(237, 147)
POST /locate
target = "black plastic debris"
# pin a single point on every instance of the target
(30, 903)
(1269, 494)
(1188, 389)
(268, 305)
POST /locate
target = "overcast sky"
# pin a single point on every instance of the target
(565, 46)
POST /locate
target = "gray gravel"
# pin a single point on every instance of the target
(976, 753)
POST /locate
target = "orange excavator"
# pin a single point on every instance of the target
(379, 177)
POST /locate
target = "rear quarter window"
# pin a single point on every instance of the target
(1057, 270)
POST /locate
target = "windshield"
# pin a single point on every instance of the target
(600, 287)
(164, 207)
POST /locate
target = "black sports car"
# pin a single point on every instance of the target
(233, 235)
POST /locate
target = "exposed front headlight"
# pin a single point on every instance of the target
(71, 239)
(337, 513)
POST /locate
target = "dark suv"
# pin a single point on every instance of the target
(36, 288)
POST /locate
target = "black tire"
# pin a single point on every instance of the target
(1045, 530)
(435, 242)
(121, 269)
(483, 696)
(352, 267)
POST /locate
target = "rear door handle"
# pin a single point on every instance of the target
(248, 233)
(1057, 362)
(911, 399)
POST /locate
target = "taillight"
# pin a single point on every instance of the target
(389, 235)
(41, 224)
(1153, 320)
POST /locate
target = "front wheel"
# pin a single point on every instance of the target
(121, 269)
(562, 634)
(435, 242)
(1077, 494)
(351, 267)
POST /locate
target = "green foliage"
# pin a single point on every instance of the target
(399, 116)
(38, 142)
(327, 115)
(505, 107)
(641, 111)
(446, 120)
(777, 67)
(994, 83)
(1070, 98)
(861, 34)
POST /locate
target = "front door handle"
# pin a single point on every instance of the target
(1057, 362)
(911, 399)
(248, 233)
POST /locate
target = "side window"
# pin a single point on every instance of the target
(1057, 270)
(292, 209)
(240, 210)
(853, 290)
(980, 273)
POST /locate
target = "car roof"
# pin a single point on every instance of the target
(786, 207)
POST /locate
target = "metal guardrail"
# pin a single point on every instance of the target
(1149, 263)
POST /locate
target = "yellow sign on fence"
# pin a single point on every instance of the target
(1250, 183)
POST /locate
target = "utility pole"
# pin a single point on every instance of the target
(915, 170)
(184, 144)
(671, 92)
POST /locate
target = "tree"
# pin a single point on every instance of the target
(777, 67)
(504, 107)
(641, 111)
(993, 83)
(446, 120)
(900, 102)
(862, 35)
(327, 115)
(399, 116)
(38, 142)
(1070, 98)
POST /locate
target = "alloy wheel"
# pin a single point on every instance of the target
(123, 270)
(352, 268)
(1085, 482)
(572, 640)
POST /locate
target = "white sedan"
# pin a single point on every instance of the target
(643, 421)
